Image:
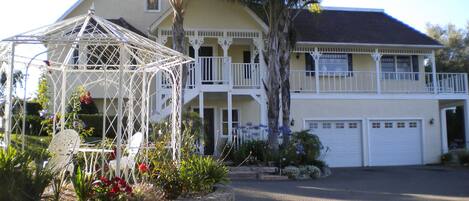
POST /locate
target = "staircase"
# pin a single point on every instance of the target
(161, 107)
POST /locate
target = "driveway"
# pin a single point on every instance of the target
(376, 183)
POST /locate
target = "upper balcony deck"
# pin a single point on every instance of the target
(220, 74)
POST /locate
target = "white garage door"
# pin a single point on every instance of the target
(395, 142)
(342, 140)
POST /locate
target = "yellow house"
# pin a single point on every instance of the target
(358, 78)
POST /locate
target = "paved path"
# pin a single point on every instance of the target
(384, 183)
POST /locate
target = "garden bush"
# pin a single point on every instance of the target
(20, 177)
(304, 149)
(199, 174)
(251, 152)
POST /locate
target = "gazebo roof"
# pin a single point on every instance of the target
(90, 30)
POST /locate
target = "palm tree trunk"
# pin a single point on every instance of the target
(179, 37)
(287, 42)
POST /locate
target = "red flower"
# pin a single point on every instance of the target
(122, 182)
(128, 189)
(86, 98)
(143, 168)
(115, 189)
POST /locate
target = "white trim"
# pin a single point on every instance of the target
(422, 130)
(362, 133)
(154, 26)
(70, 10)
(444, 131)
(370, 44)
(145, 9)
(378, 10)
(221, 118)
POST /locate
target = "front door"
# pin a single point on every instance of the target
(205, 63)
(209, 130)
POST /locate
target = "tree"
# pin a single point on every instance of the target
(454, 57)
(179, 34)
(17, 79)
(279, 15)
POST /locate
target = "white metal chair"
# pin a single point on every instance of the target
(128, 162)
(63, 147)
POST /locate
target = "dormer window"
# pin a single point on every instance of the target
(152, 5)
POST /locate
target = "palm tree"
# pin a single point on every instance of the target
(279, 15)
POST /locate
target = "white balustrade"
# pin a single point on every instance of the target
(245, 75)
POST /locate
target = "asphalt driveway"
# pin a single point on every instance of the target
(377, 183)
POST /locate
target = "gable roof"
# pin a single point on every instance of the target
(121, 22)
(357, 27)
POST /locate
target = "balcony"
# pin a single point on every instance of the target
(220, 73)
(368, 82)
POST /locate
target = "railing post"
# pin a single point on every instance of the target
(230, 71)
(465, 83)
(434, 77)
(377, 58)
(196, 42)
(316, 56)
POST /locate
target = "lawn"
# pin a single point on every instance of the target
(35, 145)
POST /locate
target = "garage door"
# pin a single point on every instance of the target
(395, 142)
(342, 140)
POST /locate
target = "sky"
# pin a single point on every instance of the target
(17, 16)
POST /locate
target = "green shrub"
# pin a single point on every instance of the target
(199, 174)
(33, 124)
(83, 184)
(251, 152)
(304, 149)
(166, 175)
(21, 178)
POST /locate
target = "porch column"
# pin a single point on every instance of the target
(225, 43)
(444, 133)
(434, 78)
(377, 58)
(259, 44)
(201, 116)
(196, 42)
(230, 117)
(466, 122)
(316, 56)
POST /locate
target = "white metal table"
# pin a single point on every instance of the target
(90, 156)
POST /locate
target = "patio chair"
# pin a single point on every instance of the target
(63, 147)
(128, 162)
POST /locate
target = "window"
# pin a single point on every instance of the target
(399, 67)
(153, 5)
(235, 120)
(413, 124)
(329, 63)
(326, 125)
(376, 125)
(353, 125)
(400, 125)
(313, 125)
(388, 125)
(333, 63)
(339, 125)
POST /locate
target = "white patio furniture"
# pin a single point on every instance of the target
(91, 156)
(63, 147)
(128, 162)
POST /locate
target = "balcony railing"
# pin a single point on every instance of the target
(219, 71)
(366, 82)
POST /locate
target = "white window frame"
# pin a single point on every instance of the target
(394, 76)
(233, 122)
(152, 10)
(325, 63)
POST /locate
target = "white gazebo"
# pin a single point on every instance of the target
(112, 62)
